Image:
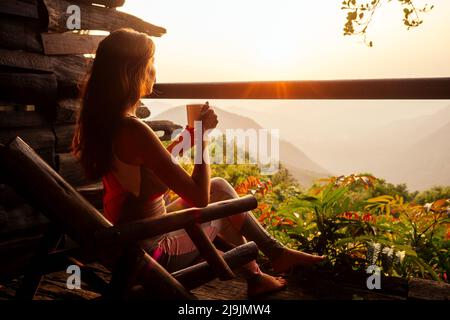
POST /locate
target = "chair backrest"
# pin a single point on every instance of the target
(51, 194)
(46, 190)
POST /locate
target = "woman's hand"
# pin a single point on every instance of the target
(208, 117)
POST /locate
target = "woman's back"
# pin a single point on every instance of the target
(131, 192)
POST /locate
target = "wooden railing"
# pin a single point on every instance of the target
(414, 88)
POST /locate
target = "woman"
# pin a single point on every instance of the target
(136, 169)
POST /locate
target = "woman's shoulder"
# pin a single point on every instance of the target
(132, 127)
(133, 133)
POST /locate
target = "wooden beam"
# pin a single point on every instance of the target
(209, 252)
(122, 234)
(20, 34)
(143, 112)
(70, 169)
(68, 69)
(64, 205)
(15, 254)
(41, 139)
(106, 3)
(197, 275)
(167, 126)
(93, 193)
(21, 222)
(428, 289)
(20, 119)
(64, 134)
(9, 198)
(70, 43)
(27, 9)
(97, 18)
(37, 137)
(25, 60)
(418, 88)
(71, 70)
(32, 278)
(66, 111)
(28, 88)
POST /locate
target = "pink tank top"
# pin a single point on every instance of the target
(125, 193)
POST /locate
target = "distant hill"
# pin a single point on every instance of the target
(408, 132)
(295, 160)
(427, 162)
(414, 151)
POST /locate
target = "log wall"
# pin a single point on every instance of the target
(42, 65)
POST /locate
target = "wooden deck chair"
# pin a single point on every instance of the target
(135, 274)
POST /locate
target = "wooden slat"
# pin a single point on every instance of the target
(9, 198)
(32, 277)
(70, 43)
(39, 88)
(209, 252)
(68, 69)
(16, 254)
(41, 139)
(418, 88)
(66, 110)
(38, 138)
(106, 3)
(20, 119)
(196, 275)
(71, 70)
(70, 169)
(64, 135)
(166, 126)
(97, 18)
(143, 112)
(146, 228)
(25, 60)
(27, 9)
(428, 290)
(93, 193)
(17, 33)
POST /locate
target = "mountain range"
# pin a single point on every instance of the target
(302, 168)
(398, 144)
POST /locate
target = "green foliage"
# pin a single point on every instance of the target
(341, 218)
(433, 194)
(356, 220)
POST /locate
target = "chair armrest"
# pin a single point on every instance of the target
(135, 231)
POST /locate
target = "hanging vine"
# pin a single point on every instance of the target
(360, 15)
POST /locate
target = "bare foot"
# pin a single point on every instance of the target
(290, 258)
(265, 283)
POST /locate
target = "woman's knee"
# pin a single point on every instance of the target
(221, 188)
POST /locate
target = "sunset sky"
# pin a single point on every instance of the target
(257, 40)
(212, 40)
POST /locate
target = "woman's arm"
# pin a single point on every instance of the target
(139, 145)
(188, 132)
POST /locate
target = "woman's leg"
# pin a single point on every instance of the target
(245, 224)
(177, 250)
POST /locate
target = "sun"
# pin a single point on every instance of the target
(277, 51)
